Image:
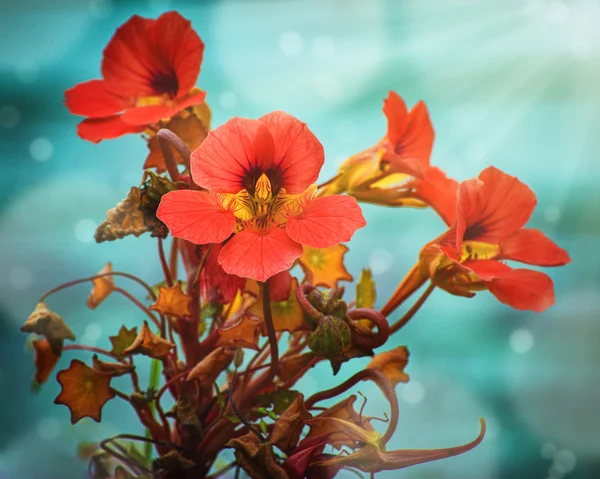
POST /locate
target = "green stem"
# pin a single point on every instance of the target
(154, 380)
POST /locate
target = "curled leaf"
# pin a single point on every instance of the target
(45, 360)
(111, 369)
(325, 267)
(256, 458)
(172, 462)
(50, 325)
(102, 288)
(84, 391)
(242, 332)
(290, 367)
(288, 427)
(392, 364)
(172, 301)
(207, 370)
(149, 344)
(123, 220)
(122, 340)
(280, 399)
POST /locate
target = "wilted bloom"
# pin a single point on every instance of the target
(258, 176)
(370, 454)
(396, 170)
(491, 213)
(149, 69)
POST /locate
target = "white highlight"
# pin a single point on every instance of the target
(41, 149)
(521, 341)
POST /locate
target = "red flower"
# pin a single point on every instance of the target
(396, 170)
(149, 70)
(259, 176)
(491, 213)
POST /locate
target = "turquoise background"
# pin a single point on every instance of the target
(511, 83)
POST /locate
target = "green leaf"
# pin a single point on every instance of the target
(220, 397)
(365, 290)
(233, 418)
(266, 412)
(122, 340)
(280, 399)
(263, 426)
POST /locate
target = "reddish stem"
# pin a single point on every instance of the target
(163, 262)
(373, 340)
(412, 311)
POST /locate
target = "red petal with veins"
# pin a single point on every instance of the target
(326, 221)
(233, 156)
(298, 154)
(524, 289)
(195, 216)
(259, 255)
(492, 207)
(533, 247)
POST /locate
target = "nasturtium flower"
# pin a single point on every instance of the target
(149, 69)
(488, 229)
(396, 170)
(258, 177)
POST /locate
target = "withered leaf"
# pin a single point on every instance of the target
(50, 325)
(242, 332)
(391, 364)
(343, 410)
(189, 128)
(207, 370)
(288, 427)
(149, 344)
(325, 267)
(290, 367)
(173, 462)
(102, 288)
(172, 301)
(256, 458)
(124, 338)
(111, 369)
(184, 413)
(84, 391)
(45, 360)
(123, 220)
(365, 290)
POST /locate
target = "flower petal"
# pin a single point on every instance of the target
(180, 46)
(492, 207)
(298, 154)
(410, 135)
(144, 115)
(533, 247)
(326, 221)
(281, 286)
(129, 62)
(93, 99)
(487, 269)
(259, 255)
(196, 216)
(439, 192)
(233, 156)
(524, 289)
(98, 129)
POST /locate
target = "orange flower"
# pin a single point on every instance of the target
(149, 70)
(396, 170)
(488, 228)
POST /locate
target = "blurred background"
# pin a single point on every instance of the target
(514, 83)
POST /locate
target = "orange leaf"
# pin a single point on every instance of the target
(242, 332)
(111, 369)
(122, 340)
(45, 360)
(172, 301)
(325, 267)
(191, 129)
(84, 391)
(290, 367)
(287, 315)
(102, 288)
(289, 425)
(392, 364)
(207, 370)
(149, 344)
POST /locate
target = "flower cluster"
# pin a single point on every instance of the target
(262, 248)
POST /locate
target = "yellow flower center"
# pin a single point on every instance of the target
(477, 250)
